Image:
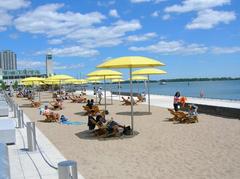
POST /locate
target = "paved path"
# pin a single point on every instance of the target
(30, 165)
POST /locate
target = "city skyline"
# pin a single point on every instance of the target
(193, 38)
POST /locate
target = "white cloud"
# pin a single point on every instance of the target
(106, 4)
(166, 17)
(5, 20)
(113, 13)
(59, 66)
(144, 37)
(172, 47)
(84, 29)
(155, 14)
(55, 41)
(13, 4)
(13, 36)
(225, 50)
(30, 64)
(46, 20)
(196, 5)
(143, 1)
(73, 51)
(207, 19)
(5, 7)
(104, 36)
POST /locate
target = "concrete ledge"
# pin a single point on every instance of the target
(7, 131)
(4, 162)
(218, 111)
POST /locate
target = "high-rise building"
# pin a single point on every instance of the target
(8, 60)
(49, 64)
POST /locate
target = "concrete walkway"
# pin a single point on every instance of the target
(31, 165)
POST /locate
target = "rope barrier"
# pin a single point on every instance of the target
(44, 158)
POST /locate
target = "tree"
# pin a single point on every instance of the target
(15, 85)
(3, 85)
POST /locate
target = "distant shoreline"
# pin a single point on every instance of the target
(188, 80)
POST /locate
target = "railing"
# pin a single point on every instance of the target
(66, 169)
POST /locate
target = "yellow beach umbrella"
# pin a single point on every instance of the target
(138, 78)
(60, 79)
(105, 74)
(130, 62)
(149, 71)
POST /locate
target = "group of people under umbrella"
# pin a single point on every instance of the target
(129, 62)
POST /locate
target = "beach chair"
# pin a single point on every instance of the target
(174, 115)
(35, 104)
(178, 116)
(52, 117)
(127, 102)
(94, 110)
(55, 105)
(140, 98)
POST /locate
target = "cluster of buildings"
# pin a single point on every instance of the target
(9, 73)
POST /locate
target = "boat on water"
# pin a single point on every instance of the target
(163, 83)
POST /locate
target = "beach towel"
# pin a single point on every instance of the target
(72, 123)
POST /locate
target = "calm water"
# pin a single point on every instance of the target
(210, 89)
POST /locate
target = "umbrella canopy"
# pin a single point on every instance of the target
(138, 78)
(104, 73)
(149, 71)
(32, 79)
(94, 78)
(130, 62)
(60, 77)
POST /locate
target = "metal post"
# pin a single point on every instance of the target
(19, 124)
(131, 96)
(31, 136)
(111, 95)
(105, 100)
(67, 170)
(119, 90)
(148, 95)
(15, 108)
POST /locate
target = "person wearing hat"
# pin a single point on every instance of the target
(100, 94)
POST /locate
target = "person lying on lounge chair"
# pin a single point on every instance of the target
(128, 101)
(56, 104)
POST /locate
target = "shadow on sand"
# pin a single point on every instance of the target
(89, 135)
(137, 113)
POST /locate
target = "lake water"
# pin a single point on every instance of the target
(210, 89)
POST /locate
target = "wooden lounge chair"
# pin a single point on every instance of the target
(177, 115)
(127, 102)
(94, 110)
(140, 98)
(52, 117)
(55, 105)
(35, 104)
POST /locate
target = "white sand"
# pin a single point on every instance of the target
(208, 149)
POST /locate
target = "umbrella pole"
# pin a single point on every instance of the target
(148, 95)
(131, 95)
(111, 94)
(105, 100)
(119, 89)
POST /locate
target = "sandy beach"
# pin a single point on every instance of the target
(161, 149)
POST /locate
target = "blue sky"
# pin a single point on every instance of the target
(194, 38)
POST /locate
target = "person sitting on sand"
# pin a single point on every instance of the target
(92, 102)
(176, 99)
(89, 104)
(192, 110)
